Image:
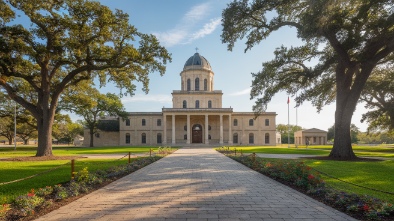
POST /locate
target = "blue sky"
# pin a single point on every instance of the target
(182, 26)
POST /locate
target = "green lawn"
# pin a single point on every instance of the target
(13, 170)
(372, 174)
(72, 150)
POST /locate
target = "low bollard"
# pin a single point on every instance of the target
(129, 157)
(72, 169)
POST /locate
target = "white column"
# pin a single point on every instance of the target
(173, 129)
(221, 129)
(206, 129)
(164, 129)
(188, 129)
(230, 136)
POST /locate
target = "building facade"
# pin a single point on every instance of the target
(196, 117)
(312, 136)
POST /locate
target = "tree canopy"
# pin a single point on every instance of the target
(378, 95)
(65, 43)
(343, 42)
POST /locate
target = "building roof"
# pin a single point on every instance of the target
(197, 62)
(313, 130)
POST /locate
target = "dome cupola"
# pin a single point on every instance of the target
(197, 62)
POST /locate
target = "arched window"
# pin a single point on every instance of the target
(251, 138)
(143, 122)
(188, 85)
(159, 138)
(183, 86)
(235, 122)
(267, 122)
(209, 104)
(184, 104)
(267, 138)
(185, 137)
(143, 138)
(127, 138)
(158, 122)
(209, 127)
(127, 122)
(197, 84)
(235, 138)
(209, 137)
(185, 127)
(197, 104)
(205, 84)
(251, 122)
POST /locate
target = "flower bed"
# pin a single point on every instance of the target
(25, 207)
(303, 178)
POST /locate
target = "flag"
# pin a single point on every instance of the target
(288, 100)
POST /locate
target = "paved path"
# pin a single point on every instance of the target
(195, 184)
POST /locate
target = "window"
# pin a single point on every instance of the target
(209, 104)
(185, 128)
(159, 138)
(209, 137)
(188, 85)
(184, 104)
(235, 138)
(183, 85)
(143, 138)
(267, 122)
(185, 137)
(158, 122)
(205, 85)
(197, 84)
(97, 135)
(127, 122)
(251, 138)
(251, 122)
(127, 138)
(235, 122)
(267, 138)
(197, 104)
(209, 127)
(143, 122)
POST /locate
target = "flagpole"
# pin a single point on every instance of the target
(288, 122)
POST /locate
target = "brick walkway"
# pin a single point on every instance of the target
(195, 184)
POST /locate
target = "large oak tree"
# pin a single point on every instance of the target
(344, 40)
(67, 42)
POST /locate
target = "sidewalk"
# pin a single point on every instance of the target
(195, 184)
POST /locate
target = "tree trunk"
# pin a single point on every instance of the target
(44, 127)
(91, 132)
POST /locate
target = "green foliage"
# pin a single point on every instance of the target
(378, 95)
(343, 43)
(108, 125)
(65, 44)
(27, 204)
(283, 130)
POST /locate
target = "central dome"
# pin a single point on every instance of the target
(197, 62)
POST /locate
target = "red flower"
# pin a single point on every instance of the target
(366, 207)
(311, 177)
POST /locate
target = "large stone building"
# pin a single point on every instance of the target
(196, 117)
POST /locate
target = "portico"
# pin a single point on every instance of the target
(193, 126)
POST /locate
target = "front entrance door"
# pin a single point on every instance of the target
(197, 133)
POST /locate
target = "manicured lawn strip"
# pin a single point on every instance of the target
(15, 170)
(279, 150)
(377, 175)
(72, 150)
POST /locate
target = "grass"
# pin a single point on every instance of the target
(13, 170)
(72, 150)
(372, 174)
(376, 174)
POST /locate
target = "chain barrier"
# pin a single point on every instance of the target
(38, 174)
(364, 187)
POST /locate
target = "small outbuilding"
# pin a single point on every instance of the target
(312, 136)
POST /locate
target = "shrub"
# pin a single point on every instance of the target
(60, 192)
(43, 192)
(3, 210)
(26, 204)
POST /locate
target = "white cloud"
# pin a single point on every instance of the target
(183, 32)
(240, 93)
(206, 30)
(148, 98)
